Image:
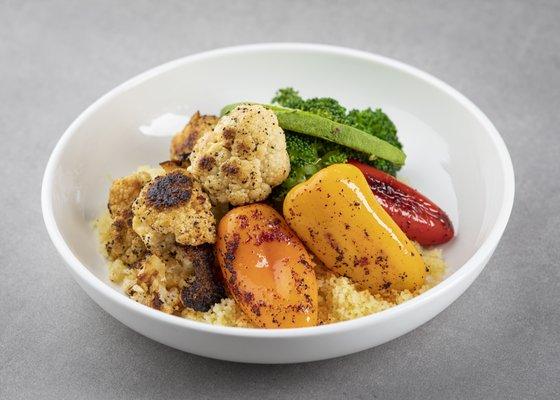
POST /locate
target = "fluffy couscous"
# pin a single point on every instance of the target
(339, 298)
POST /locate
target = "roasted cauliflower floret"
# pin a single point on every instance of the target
(243, 157)
(124, 243)
(206, 289)
(157, 284)
(173, 208)
(185, 277)
(183, 142)
(124, 191)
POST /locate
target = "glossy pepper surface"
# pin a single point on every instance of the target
(419, 217)
(266, 268)
(341, 222)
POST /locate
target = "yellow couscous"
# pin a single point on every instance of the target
(339, 299)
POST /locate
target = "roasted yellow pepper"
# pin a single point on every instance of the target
(339, 219)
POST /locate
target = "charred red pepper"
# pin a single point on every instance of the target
(419, 218)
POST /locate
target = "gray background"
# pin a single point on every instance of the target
(499, 340)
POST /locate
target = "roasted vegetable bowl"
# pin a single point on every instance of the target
(264, 214)
(332, 252)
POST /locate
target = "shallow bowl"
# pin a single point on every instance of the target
(455, 156)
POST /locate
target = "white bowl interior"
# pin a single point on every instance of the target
(451, 157)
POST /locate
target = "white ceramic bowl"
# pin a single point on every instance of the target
(455, 156)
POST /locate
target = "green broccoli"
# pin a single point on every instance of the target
(323, 106)
(309, 154)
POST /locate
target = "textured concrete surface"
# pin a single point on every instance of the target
(501, 339)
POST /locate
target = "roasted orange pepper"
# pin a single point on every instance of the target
(339, 219)
(266, 268)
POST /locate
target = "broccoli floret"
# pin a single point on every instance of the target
(308, 154)
(288, 97)
(323, 106)
(375, 122)
(301, 150)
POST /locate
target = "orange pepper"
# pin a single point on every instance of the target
(266, 268)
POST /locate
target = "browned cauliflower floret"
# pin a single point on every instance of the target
(124, 191)
(158, 283)
(243, 157)
(206, 289)
(173, 208)
(123, 242)
(185, 277)
(183, 142)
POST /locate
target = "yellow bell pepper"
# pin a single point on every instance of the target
(338, 218)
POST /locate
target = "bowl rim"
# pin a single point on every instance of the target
(94, 283)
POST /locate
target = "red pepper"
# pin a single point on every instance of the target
(419, 218)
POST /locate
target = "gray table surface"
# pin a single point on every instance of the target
(501, 339)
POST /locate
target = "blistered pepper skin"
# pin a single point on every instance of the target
(266, 268)
(419, 217)
(341, 222)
